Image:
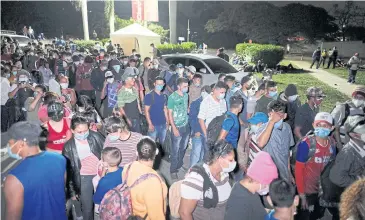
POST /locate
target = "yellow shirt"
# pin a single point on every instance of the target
(148, 197)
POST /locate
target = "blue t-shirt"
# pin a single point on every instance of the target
(270, 216)
(157, 103)
(232, 126)
(108, 182)
(43, 180)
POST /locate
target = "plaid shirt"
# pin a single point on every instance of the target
(112, 91)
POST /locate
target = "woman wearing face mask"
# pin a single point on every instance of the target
(211, 177)
(68, 93)
(244, 201)
(58, 128)
(83, 151)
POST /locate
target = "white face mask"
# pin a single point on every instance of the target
(292, 98)
(64, 85)
(358, 103)
(23, 79)
(254, 129)
(264, 191)
(204, 94)
(230, 167)
(125, 62)
(81, 61)
(77, 63)
(110, 80)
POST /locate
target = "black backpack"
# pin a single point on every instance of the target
(214, 128)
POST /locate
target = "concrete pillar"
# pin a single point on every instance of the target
(172, 20)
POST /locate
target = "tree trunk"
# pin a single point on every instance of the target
(85, 22)
(111, 17)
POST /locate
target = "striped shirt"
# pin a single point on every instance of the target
(210, 108)
(89, 161)
(192, 188)
(127, 147)
(254, 149)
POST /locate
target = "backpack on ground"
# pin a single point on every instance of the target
(117, 203)
(214, 128)
(208, 186)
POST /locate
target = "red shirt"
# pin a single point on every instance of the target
(56, 140)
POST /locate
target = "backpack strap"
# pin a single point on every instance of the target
(312, 146)
(347, 113)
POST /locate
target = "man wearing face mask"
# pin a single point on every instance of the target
(291, 98)
(152, 74)
(171, 84)
(270, 95)
(212, 106)
(276, 138)
(305, 114)
(115, 67)
(252, 101)
(245, 92)
(230, 82)
(195, 88)
(198, 141)
(110, 90)
(123, 62)
(97, 81)
(313, 154)
(32, 104)
(342, 111)
(244, 201)
(190, 71)
(350, 161)
(37, 181)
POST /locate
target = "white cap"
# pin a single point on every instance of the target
(324, 117)
(191, 69)
(108, 74)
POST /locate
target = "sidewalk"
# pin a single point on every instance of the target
(332, 80)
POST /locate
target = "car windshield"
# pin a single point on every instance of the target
(21, 40)
(217, 65)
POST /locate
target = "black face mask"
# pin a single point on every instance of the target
(57, 117)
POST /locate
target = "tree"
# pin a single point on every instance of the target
(82, 5)
(345, 16)
(110, 14)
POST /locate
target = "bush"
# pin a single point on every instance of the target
(267, 53)
(87, 44)
(104, 41)
(186, 47)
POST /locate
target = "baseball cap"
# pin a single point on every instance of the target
(360, 90)
(258, 117)
(24, 130)
(324, 117)
(109, 74)
(179, 65)
(355, 124)
(130, 72)
(55, 109)
(263, 169)
(191, 69)
(315, 92)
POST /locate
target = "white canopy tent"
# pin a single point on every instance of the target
(136, 37)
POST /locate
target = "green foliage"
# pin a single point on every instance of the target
(105, 40)
(122, 23)
(87, 44)
(159, 30)
(267, 53)
(186, 47)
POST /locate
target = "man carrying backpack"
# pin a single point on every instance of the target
(342, 111)
(350, 162)
(313, 153)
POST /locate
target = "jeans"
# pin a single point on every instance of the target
(136, 125)
(352, 76)
(178, 148)
(98, 101)
(315, 61)
(198, 149)
(86, 197)
(159, 132)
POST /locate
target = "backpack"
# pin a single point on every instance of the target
(175, 192)
(347, 112)
(117, 203)
(215, 127)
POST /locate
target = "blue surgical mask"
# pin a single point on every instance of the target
(159, 87)
(278, 124)
(272, 94)
(322, 132)
(113, 137)
(254, 129)
(221, 96)
(184, 90)
(81, 136)
(116, 68)
(14, 73)
(35, 94)
(11, 154)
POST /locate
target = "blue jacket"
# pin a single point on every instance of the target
(193, 115)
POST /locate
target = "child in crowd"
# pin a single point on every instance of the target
(283, 198)
(111, 175)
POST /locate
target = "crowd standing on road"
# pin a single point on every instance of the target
(256, 152)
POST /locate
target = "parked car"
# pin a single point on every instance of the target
(12, 36)
(207, 65)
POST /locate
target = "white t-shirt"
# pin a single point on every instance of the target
(55, 87)
(5, 89)
(210, 108)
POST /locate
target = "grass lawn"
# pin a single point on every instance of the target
(304, 81)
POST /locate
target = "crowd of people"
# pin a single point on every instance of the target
(88, 128)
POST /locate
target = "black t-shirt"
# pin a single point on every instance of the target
(242, 204)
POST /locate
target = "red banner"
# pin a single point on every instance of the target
(138, 10)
